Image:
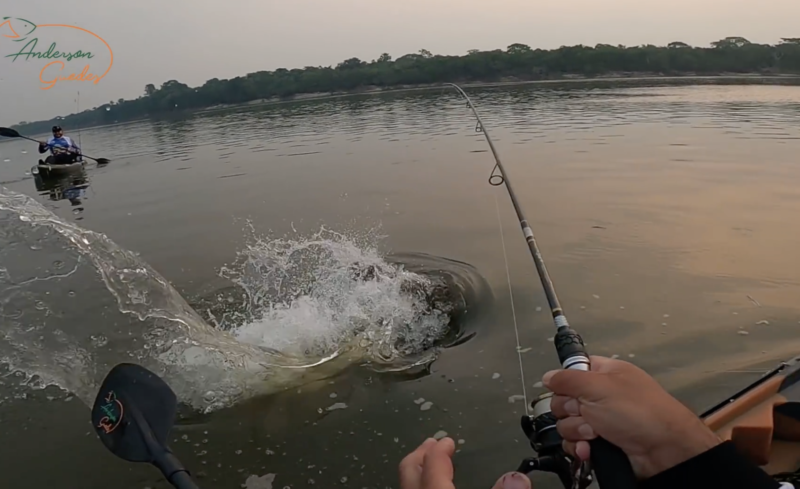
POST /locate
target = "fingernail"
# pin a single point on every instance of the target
(546, 378)
(516, 480)
(586, 431)
(572, 407)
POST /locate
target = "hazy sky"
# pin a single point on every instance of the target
(155, 41)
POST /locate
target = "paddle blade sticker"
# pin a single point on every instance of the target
(134, 412)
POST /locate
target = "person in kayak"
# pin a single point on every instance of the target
(62, 148)
(667, 444)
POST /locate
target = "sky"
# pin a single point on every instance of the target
(154, 41)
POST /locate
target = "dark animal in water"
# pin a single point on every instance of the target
(432, 291)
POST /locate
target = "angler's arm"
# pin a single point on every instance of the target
(721, 467)
(43, 147)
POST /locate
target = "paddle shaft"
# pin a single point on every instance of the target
(163, 458)
(37, 141)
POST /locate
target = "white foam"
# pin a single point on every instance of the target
(315, 296)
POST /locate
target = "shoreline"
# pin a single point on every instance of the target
(612, 77)
(374, 90)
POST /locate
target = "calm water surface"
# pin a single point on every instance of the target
(666, 216)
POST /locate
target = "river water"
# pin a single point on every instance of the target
(218, 250)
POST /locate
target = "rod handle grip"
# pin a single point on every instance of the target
(611, 466)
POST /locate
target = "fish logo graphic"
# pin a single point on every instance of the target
(25, 26)
(113, 413)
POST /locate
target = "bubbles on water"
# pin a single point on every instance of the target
(256, 482)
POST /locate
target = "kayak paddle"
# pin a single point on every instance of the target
(11, 133)
(133, 414)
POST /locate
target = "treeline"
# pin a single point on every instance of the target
(517, 62)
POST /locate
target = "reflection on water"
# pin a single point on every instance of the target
(664, 214)
(70, 186)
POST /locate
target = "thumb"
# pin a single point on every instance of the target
(576, 384)
(437, 466)
(513, 480)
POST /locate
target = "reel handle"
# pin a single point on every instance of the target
(611, 466)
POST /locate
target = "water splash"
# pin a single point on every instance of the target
(320, 296)
(55, 340)
(306, 308)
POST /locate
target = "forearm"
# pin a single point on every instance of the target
(722, 466)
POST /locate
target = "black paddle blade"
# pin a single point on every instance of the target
(8, 132)
(134, 412)
(103, 161)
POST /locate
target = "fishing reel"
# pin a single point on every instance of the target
(540, 428)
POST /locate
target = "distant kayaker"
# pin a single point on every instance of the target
(62, 148)
(667, 445)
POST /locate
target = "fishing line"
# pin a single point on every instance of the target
(611, 466)
(513, 309)
(497, 178)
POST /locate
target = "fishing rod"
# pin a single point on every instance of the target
(78, 101)
(609, 463)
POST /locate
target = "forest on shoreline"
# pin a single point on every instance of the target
(518, 62)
